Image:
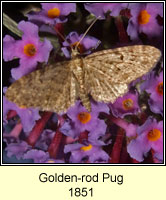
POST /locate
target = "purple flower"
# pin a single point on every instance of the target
(84, 47)
(154, 86)
(38, 156)
(53, 13)
(150, 136)
(28, 116)
(99, 9)
(144, 20)
(139, 80)
(83, 120)
(96, 135)
(45, 139)
(71, 130)
(17, 149)
(30, 50)
(159, 156)
(129, 128)
(128, 104)
(80, 152)
(68, 129)
(9, 51)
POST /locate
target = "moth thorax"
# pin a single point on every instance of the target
(74, 53)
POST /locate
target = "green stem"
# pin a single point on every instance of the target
(11, 25)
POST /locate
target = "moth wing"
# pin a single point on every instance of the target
(53, 88)
(108, 72)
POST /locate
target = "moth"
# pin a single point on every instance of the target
(104, 75)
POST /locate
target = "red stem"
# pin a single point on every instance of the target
(155, 160)
(16, 130)
(123, 37)
(37, 130)
(60, 32)
(124, 156)
(83, 136)
(119, 122)
(11, 114)
(116, 150)
(134, 161)
(69, 140)
(129, 128)
(53, 149)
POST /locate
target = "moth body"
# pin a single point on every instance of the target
(77, 68)
(104, 75)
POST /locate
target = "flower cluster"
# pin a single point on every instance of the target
(128, 130)
(30, 49)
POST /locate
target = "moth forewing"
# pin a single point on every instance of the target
(47, 89)
(104, 75)
(109, 72)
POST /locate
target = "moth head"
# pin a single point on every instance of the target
(79, 42)
(75, 52)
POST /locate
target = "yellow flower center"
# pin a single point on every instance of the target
(84, 117)
(128, 104)
(159, 88)
(50, 161)
(143, 17)
(80, 47)
(30, 50)
(154, 135)
(53, 13)
(86, 148)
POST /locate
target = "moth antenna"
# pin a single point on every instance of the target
(63, 38)
(87, 31)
